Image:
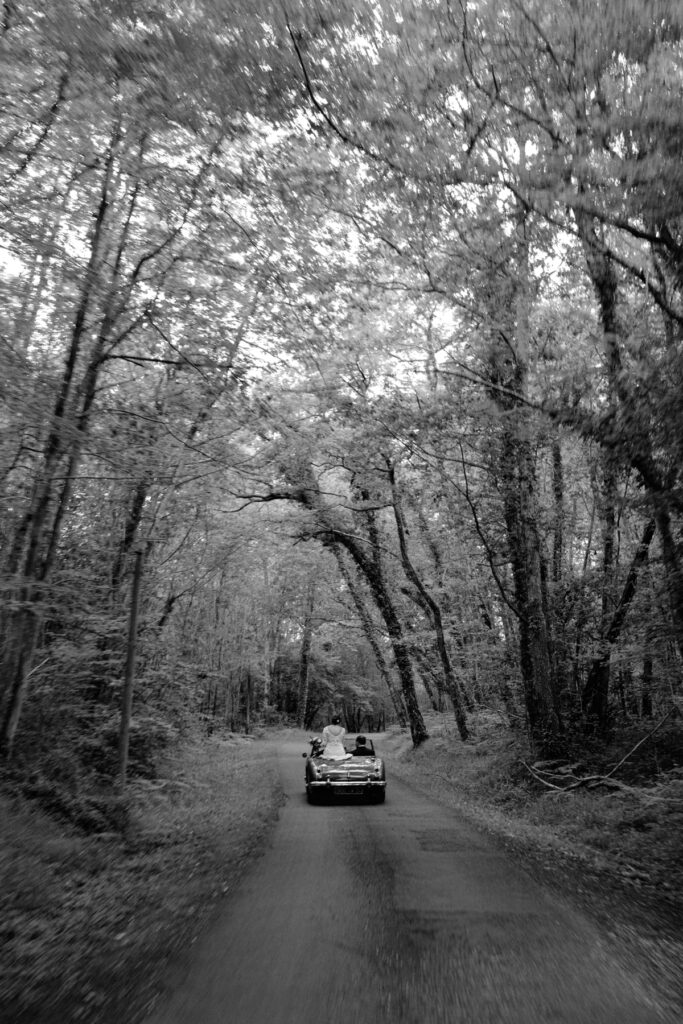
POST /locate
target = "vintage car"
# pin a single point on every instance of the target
(359, 775)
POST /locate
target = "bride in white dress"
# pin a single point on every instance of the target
(333, 736)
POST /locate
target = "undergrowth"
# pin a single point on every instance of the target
(88, 919)
(630, 824)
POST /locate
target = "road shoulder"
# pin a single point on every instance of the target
(636, 915)
(90, 922)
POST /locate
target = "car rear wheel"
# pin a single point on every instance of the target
(379, 797)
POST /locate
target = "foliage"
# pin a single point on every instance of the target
(361, 323)
(88, 920)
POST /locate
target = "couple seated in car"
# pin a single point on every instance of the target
(333, 737)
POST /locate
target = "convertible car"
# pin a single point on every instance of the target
(361, 775)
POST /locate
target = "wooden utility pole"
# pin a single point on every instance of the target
(129, 677)
(305, 661)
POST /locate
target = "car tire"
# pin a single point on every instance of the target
(379, 797)
(311, 796)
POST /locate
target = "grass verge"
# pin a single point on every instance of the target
(88, 923)
(616, 852)
(632, 828)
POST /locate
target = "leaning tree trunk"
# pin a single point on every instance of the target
(331, 533)
(432, 610)
(371, 637)
(378, 588)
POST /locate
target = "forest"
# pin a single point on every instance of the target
(342, 370)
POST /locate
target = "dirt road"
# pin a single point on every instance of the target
(397, 913)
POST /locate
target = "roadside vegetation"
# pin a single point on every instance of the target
(611, 844)
(90, 918)
(626, 826)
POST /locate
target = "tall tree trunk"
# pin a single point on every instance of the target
(129, 675)
(133, 519)
(246, 692)
(645, 696)
(518, 481)
(30, 557)
(25, 550)
(508, 300)
(603, 277)
(19, 648)
(431, 608)
(596, 691)
(617, 437)
(558, 511)
(672, 564)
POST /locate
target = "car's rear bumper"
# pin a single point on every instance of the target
(347, 787)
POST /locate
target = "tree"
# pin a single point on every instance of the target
(405, 283)
(116, 249)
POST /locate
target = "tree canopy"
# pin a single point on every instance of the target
(358, 327)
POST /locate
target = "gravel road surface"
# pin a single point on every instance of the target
(395, 914)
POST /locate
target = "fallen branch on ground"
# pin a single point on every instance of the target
(535, 774)
(595, 780)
